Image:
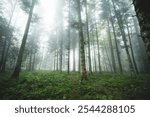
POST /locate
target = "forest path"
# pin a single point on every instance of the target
(74, 82)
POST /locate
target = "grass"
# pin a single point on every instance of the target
(61, 86)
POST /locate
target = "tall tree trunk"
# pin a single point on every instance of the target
(82, 51)
(88, 38)
(111, 48)
(33, 64)
(30, 62)
(62, 37)
(108, 58)
(68, 70)
(141, 47)
(117, 48)
(54, 61)
(94, 53)
(61, 51)
(143, 15)
(4, 58)
(21, 51)
(98, 48)
(132, 53)
(74, 61)
(79, 60)
(57, 60)
(3, 53)
(121, 27)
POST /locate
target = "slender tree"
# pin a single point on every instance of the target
(88, 37)
(82, 51)
(122, 31)
(98, 48)
(16, 72)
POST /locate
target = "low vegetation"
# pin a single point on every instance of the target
(55, 85)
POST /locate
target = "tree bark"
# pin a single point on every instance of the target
(117, 48)
(82, 51)
(17, 70)
(4, 58)
(111, 48)
(94, 53)
(143, 15)
(98, 48)
(74, 61)
(131, 48)
(121, 27)
(69, 38)
(3, 53)
(88, 38)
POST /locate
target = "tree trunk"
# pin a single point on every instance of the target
(121, 27)
(21, 51)
(117, 48)
(5, 58)
(79, 61)
(30, 63)
(108, 58)
(68, 66)
(82, 51)
(143, 15)
(74, 61)
(33, 64)
(61, 50)
(98, 48)
(54, 61)
(57, 60)
(111, 48)
(141, 47)
(3, 53)
(94, 53)
(88, 38)
(131, 48)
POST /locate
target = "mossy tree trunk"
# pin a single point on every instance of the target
(82, 51)
(143, 15)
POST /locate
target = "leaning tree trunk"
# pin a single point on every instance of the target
(122, 31)
(116, 44)
(143, 15)
(82, 51)
(21, 51)
(131, 48)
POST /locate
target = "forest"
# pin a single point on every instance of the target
(74, 50)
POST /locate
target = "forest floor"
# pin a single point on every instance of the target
(45, 85)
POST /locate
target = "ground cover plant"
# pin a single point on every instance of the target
(62, 86)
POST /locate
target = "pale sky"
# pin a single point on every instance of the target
(46, 10)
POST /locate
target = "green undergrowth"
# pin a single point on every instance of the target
(47, 85)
